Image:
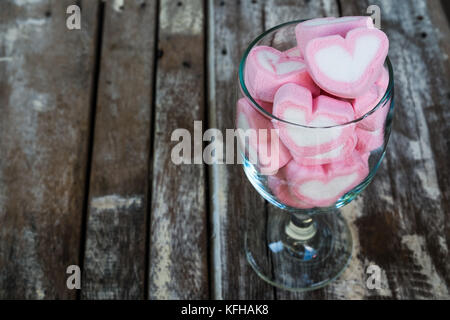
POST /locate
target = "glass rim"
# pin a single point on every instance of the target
(273, 117)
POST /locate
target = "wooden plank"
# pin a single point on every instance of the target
(413, 257)
(276, 12)
(400, 221)
(279, 11)
(115, 263)
(178, 239)
(46, 74)
(232, 26)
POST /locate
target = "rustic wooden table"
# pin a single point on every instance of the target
(85, 171)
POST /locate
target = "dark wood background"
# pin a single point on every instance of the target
(85, 171)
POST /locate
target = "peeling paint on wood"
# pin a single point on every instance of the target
(118, 5)
(115, 255)
(422, 258)
(415, 173)
(178, 232)
(398, 223)
(232, 26)
(277, 12)
(115, 202)
(43, 143)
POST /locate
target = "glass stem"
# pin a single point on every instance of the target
(301, 227)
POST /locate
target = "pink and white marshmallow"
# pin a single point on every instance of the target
(365, 103)
(267, 69)
(322, 186)
(311, 135)
(293, 52)
(322, 27)
(383, 80)
(281, 190)
(264, 147)
(268, 106)
(347, 67)
(337, 154)
(369, 141)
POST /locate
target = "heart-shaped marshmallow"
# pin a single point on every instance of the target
(369, 140)
(281, 190)
(322, 186)
(383, 81)
(365, 103)
(267, 69)
(322, 27)
(337, 154)
(347, 67)
(268, 106)
(264, 148)
(293, 52)
(294, 103)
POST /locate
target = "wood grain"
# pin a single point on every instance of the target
(400, 222)
(178, 238)
(411, 251)
(115, 263)
(195, 215)
(46, 74)
(232, 26)
(280, 11)
(277, 12)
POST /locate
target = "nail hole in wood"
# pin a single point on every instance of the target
(224, 51)
(186, 64)
(160, 53)
(420, 18)
(222, 3)
(423, 35)
(48, 13)
(179, 3)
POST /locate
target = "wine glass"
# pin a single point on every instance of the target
(309, 244)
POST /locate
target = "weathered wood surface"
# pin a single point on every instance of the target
(115, 255)
(158, 230)
(232, 25)
(178, 234)
(401, 220)
(46, 82)
(277, 12)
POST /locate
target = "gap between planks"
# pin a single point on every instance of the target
(93, 108)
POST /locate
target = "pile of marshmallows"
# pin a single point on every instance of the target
(333, 76)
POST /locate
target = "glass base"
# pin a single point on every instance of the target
(301, 256)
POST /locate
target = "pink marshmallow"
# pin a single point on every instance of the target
(322, 186)
(369, 140)
(322, 27)
(347, 67)
(365, 103)
(281, 191)
(260, 142)
(267, 69)
(265, 105)
(294, 103)
(383, 81)
(335, 155)
(293, 52)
